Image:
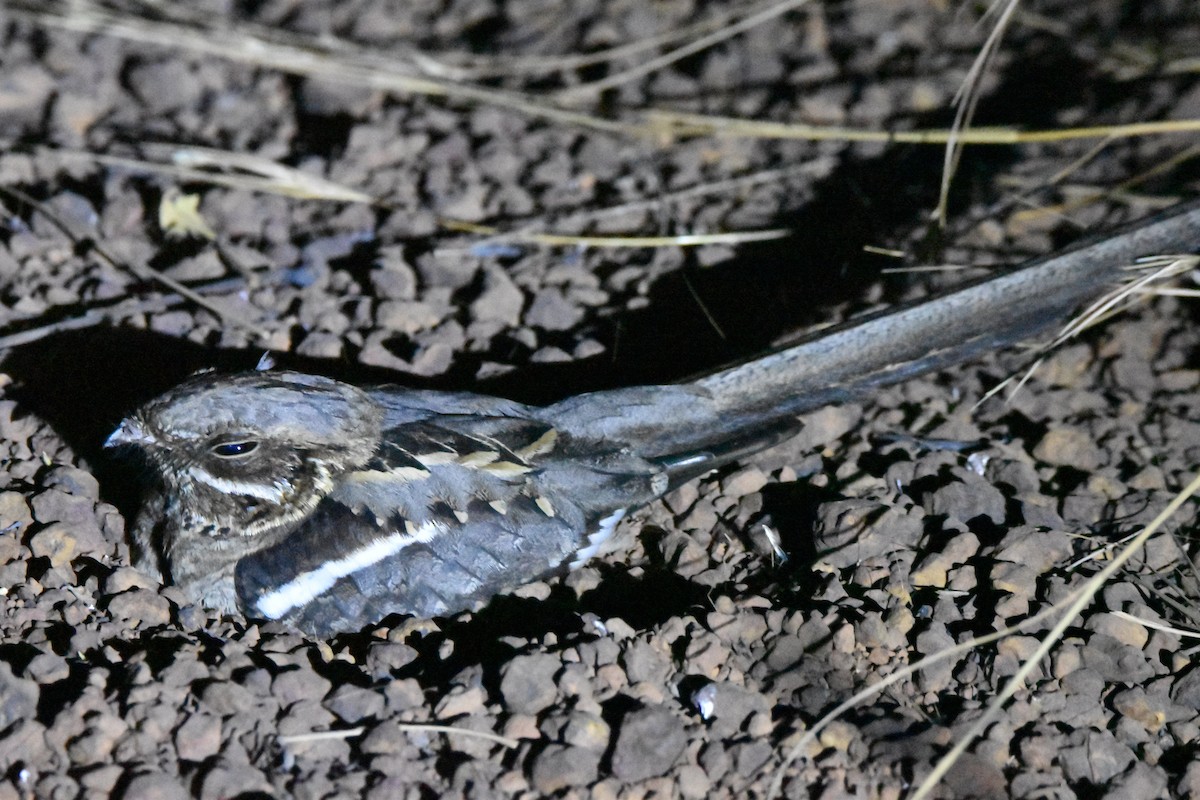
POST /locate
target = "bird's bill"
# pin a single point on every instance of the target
(130, 432)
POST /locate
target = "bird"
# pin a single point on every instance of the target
(329, 507)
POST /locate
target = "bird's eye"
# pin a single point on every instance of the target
(234, 449)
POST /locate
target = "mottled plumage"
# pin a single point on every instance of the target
(326, 506)
(299, 498)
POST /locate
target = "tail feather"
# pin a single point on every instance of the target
(849, 361)
(692, 427)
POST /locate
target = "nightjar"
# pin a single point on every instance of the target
(327, 506)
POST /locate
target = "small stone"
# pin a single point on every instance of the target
(24, 93)
(54, 542)
(729, 706)
(98, 740)
(227, 698)
(352, 704)
(743, 482)
(522, 726)
(528, 685)
(224, 781)
(99, 781)
(551, 311)
(585, 730)
(14, 512)
(968, 498)
(296, 685)
(693, 782)
(1149, 712)
(204, 266)
(173, 323)
(559, 767)
(18, 697)
(1069, 447)
(319, 344)
(1098, 758)
(1125, 631)
(74, 481)
(461, 701)
(198, 737)
(434, 359)
(649, 741)
(125, 578)
(385, 738)
(406, 316)
(385, 657)
(45, 668)
(55, 505)
(140, 607)
(392, 277)
(644, 661)
(501, 300)
(155, 786)
(1142, 780)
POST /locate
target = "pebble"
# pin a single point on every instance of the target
(393, 278)
(1094, 756)
(1069, 447)
(550, 310)
(352, 704)
(222, 781)
(15, 514)
(727, 707)
(461, 701)
(55, 505)
(155, 786)
(406, 316)
(18, 697)
(560, 767)
(124, 578)
(501, 300)
(47, 668)
(527, 683)
(649, 741)
(588, 731)
(54, 542)
(199, 737)
(140, 607)
(1125, 631)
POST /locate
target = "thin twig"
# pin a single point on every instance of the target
(233, 45)
(141, 271)
(1069, 612)
(774, 10)
(967, 99)
(408, 727)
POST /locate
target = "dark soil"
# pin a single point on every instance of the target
(690, 663)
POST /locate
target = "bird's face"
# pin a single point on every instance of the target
(241, 455)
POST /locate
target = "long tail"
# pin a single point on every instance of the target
(847, 362)
(692, 427)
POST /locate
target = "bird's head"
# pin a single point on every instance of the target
(250, 452)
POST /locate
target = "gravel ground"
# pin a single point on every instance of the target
(690, 663)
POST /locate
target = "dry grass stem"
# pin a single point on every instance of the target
(297, 59)
(473, 67)
(678, 123)
(141, 271)
(410, 727)
(967, 99)
(1156, 625)
(1069, 609)
(753, 20)
(572, 240)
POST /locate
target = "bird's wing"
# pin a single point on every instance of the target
(444, 516)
